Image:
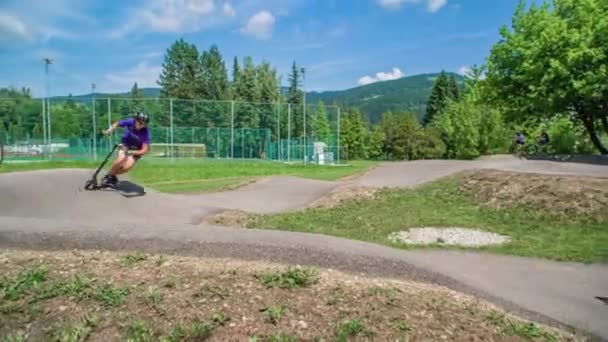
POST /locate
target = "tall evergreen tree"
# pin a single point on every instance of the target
(295, 98)
(453, 90)
(214, 75)
(246, 113)
(236, 70)
(179, 71)
(321, 123)
(375, 141)
(438, 99)
(353, 136)
(136, 98)
(214, 85)
(294, 93)
(180, 79)
(268, 96)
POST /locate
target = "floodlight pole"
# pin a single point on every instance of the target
(279, 154)
(46, 117)
(289, 132)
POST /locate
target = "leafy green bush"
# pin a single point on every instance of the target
(566, 135)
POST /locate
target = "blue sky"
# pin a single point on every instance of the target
(342, 43)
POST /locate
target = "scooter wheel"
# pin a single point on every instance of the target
(90, 185)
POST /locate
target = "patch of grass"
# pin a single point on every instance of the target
(44, 165)
(16, 337)
(160, 260)
(352, 328)
(219, 319)
(10, 308)
(200, 331)
(200, 186)
(212, 291)
(195, 331)
(516, 328)
(292, 277)
(15, 287)
(281, 337)
(403, 325)
(153, 297)
(205, 175)
(78, 286)
(439, 204)
(276, 337)
(274, 313)
(139, 331)
(75, 331)
(111, 296)
(336, 296)
(390, 295)
(157, 171)
(133, 258)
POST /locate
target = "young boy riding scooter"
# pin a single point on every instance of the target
(135, 143)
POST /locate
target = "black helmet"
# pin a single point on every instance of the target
(139, 116)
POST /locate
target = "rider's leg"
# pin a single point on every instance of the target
(117, 165)
(127, 165)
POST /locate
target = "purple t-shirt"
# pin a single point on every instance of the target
(131, 137)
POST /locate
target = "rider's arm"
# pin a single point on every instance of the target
(112, 128)
(145, 144)
(143, 150)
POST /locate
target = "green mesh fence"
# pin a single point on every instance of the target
(71, 129)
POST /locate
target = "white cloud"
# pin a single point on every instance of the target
(174, 16)
(227, 10)
(463, 71)
(11, 27)
(431, 5)
(26, 21)
(200, 6)
(144, 74)
(260, 25)
(435, 5)
(381, 76)
(14, 28)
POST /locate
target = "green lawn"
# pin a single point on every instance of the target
(439, 204)
(205, 175)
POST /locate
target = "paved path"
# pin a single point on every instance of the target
(46, 209)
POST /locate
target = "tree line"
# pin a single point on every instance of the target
(546, 74)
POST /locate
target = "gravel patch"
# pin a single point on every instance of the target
(449, 236)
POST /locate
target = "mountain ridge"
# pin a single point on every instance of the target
(409, 93)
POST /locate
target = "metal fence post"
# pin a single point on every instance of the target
(48, 119)
(94, 128)
(242, 143)
(43, 126)
(338, 152)
(289, 132)
(231, 129)
(171, 120)
(304, 154)
(109, 122)
(279, 149)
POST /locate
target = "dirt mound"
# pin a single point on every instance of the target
(557, 195)
(103, 296)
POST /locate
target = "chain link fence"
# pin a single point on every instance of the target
(71, 128)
